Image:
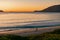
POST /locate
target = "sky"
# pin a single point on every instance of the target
(26, 5)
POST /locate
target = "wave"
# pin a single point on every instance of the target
(34, 25)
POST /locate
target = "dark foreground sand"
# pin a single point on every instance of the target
(29, 31)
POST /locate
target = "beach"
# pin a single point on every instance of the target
(29, 31)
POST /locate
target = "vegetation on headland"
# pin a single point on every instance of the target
(55, 35)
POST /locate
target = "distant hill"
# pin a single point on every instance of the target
(55, 8)
(1, 11)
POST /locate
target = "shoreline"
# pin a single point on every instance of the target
(29, 31)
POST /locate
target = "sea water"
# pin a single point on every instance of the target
(28, 20)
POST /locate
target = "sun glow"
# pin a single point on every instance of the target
(6, 5)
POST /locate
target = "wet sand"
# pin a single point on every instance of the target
(29, 31)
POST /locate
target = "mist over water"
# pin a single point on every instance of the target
(29, 19)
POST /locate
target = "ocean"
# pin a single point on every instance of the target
(14, 21)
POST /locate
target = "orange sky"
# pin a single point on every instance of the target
(26, 5)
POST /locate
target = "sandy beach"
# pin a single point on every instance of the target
(29, 31)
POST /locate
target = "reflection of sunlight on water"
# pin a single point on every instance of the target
(20, 19)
